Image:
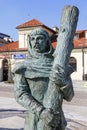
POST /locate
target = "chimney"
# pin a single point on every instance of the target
(86, 34)
(55, 28)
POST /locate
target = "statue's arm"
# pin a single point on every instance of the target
(23, 95)
(66, 85)
(63, 83)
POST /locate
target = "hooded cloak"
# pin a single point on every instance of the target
(37, 64)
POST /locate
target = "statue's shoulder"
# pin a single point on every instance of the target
(19, 68)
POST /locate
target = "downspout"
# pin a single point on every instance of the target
(83, 63)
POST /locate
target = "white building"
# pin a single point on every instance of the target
(14, 52)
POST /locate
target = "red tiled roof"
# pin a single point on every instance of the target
(30, 23)
(13, 46)
(80, 31)
(34, 23)
(78, 43)
(9, 46)
(81, 42)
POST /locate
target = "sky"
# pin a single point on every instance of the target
(17, 12)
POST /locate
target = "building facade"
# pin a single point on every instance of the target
(13, 52)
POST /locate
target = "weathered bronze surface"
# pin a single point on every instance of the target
(43, 80)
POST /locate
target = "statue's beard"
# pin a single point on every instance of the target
(37, 53)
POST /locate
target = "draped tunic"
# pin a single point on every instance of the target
(31, 78)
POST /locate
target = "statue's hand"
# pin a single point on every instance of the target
(50, 118)
(58, 78)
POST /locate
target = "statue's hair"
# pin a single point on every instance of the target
(40, 31)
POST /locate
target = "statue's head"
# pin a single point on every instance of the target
(39, 40)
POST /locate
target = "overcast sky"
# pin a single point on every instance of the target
(16, 12)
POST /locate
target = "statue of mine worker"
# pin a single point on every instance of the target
(31, 79)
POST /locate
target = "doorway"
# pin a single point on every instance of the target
(5, 69)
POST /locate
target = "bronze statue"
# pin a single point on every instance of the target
(42, 81)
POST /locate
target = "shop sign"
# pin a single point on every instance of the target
(19, 56)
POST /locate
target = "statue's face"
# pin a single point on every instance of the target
(38, 43)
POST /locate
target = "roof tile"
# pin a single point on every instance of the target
(9, 46)
(30, 23)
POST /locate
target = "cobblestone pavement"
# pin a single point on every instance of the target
(12, 115)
